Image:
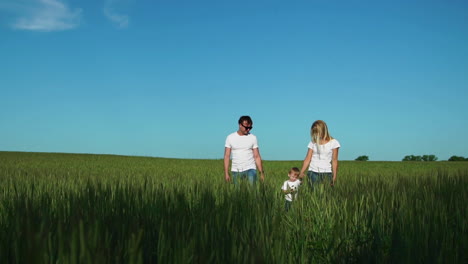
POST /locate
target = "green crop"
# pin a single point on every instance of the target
(71, 208)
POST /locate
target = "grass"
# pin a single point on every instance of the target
(71, 208)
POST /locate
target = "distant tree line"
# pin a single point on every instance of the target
(420, 158)
(457, 158)
(362, 158)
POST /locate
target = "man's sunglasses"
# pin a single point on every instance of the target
(247, 127)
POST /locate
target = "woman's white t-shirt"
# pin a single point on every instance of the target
(322, 156)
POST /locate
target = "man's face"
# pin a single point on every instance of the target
(245, 127)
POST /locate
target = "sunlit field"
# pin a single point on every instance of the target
(70, 208)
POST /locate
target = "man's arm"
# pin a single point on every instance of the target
(258, 162)
(227, 156)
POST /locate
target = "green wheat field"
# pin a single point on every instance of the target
(77, 208)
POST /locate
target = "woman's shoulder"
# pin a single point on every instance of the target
(334, 142)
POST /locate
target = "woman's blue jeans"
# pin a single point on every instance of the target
(315, 178)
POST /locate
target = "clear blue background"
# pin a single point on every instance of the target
(171, 78)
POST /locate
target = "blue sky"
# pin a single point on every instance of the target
(171, 78)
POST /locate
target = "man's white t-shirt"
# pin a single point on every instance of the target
(242, 151)
(322, 156)
(291, 185)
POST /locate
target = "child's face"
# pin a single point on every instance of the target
(293, 176)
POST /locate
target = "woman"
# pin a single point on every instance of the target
(322, 155)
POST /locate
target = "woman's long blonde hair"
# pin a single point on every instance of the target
(319, 132)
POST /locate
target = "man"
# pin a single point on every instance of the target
(243, 148)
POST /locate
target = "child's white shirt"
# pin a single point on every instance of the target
(288, 185)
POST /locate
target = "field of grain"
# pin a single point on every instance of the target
(72, 208)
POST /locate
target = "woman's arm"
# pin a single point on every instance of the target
(334, 164)
(306, 163)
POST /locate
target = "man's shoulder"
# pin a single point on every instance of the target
(251, 136)
(232, 135)
(235, 134)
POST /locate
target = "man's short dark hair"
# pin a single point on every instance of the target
(245, 118)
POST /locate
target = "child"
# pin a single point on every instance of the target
(290, 187)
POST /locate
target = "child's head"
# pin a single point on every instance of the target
(293, 173)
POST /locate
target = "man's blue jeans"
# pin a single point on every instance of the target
(250, 175)
(318, 177)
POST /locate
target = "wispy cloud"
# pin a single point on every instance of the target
(42, 15)
(120, 20)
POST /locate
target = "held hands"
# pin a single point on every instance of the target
(301, 176)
